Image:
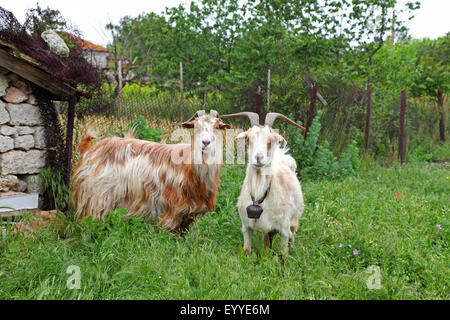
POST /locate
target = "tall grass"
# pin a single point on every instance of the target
(396, 218)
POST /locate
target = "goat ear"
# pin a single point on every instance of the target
(189, 124)
(281, 141)
(223, 126)
(241, 135)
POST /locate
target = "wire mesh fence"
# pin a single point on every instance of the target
(342, 120)
(114, 118)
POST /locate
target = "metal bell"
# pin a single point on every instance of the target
(254, 211)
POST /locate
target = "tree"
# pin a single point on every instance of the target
(432, 77)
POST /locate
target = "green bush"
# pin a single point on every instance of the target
(316, 160)
(141, 130)
(428, 150)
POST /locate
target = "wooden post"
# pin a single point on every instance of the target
(204, 99)
(119, 77)
(310, 87)
(393, 27)
(312, 107)
(367, 126)
(181, 93)
(442, 114)
(69, 139)
(268, 88)
(258, 101)
(401, 129)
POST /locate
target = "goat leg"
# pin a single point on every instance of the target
(268, 239)
(247, 233)
(186, 221)
(284, 250)
(293, 228)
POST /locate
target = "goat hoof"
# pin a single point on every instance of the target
(283, 253)
(282, 257)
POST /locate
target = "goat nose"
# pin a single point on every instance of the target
(259, 157)
(206, 142)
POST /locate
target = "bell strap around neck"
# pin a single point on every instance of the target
(257, 203)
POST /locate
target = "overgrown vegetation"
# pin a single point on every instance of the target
(390, 220)
(141, 130)
(73, 69)
(55, 193)
(316, 160)
(228, 46)
(358, 214)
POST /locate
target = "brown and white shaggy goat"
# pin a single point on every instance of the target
(172, 183)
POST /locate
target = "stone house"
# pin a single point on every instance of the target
(26, 91)
(97, 55)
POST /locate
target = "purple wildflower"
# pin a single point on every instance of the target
(349, 245)
(355, 252)
(340, 245)
(438, 226)
(405, 238)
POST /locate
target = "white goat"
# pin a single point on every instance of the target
(170, 182)
(271, 199)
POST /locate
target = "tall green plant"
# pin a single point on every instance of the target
(54, 189)
(316, 160)
(141, 130)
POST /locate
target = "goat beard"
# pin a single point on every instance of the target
(212, 157)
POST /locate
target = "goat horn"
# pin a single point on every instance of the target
(197, 114)
(253, 117)
(213, 113)
(271, 116)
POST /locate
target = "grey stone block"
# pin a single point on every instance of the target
(22, 162)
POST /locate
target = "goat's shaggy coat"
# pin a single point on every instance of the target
(141, 177)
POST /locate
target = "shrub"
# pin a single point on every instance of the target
(429, 151)
(349, 161)
(317, 161)
(141, 130)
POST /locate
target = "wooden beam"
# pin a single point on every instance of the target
(311, 86)
(368, 114)
(181, 93)
(401, 128)
(119, 85)
(69, 139)
(442, 115)
(30, 72)
(310, 113)
(268, 88)
(258, 101)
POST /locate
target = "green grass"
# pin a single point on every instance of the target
(140, 261)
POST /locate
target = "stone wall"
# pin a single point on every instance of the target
(22, 135)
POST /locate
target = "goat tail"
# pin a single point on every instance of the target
(86, 140)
